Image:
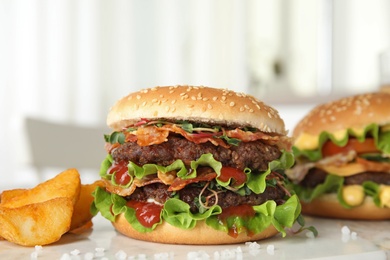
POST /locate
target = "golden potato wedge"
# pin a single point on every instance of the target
(39, 223)
(9, 194)
(66, 184)
(82, 214)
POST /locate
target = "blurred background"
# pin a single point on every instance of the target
(68, 61)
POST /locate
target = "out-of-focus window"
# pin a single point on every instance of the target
(316, 49)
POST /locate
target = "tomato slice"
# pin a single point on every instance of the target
(353, 144)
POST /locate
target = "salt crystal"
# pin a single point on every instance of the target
(88, 256)
(271, 249)
(253, 245)
(345, 230)
(65, 257)
(75, 252)
(120, 255)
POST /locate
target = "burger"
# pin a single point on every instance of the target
(196, 165)
(342, 158)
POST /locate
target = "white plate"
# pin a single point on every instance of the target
(371, 241)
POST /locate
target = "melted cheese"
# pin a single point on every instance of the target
(353, 195)
(384, 195)
(344, 170)
(310, 142)
(307, 142)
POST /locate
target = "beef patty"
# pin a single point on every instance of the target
(255, 155)
(317, 176)
(159, 192)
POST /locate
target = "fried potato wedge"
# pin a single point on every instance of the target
(9, 194)
(82, 214)
(67, 184)
(39, 223)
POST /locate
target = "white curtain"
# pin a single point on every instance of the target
(70, 60)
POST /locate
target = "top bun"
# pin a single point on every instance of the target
(195, 103)
(350, 112)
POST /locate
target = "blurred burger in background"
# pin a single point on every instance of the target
(196, 165)
(342, 152)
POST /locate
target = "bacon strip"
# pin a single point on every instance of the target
(299, 171)
(203, 174)
(150, 135)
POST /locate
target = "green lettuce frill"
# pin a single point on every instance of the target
(334, 184)
(382, 141)
(255, 181)
(177, 213)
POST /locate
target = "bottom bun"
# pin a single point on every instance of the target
(328, 206)
(200, 235)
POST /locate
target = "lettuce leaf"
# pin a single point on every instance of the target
(382, 141)
(334, 184)
(178, 214)
(255, 180)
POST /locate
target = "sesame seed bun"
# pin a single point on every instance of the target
(198, 104)
(350, 112)
(201, 234)
(327, 205)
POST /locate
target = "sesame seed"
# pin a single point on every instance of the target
(205, 99)
(251, 110)
(138, 97)
(173, 101)
(223, 98)
(215, 98)
(193, 97)
(190, 105)
(209, 106)
(242, 109)
(144, 103)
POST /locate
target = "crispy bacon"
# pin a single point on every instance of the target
(121, 191)
(203, 174)
(299, 171)
(150, 135)
(373, 166)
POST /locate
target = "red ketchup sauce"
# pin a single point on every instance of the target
(243, 211)
(147, 213)
(121, 173)
(238, 176)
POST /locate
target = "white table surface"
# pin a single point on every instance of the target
(372, 241)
